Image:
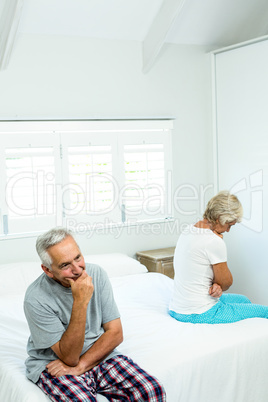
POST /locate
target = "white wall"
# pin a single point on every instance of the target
(242, 128)
(65, 78)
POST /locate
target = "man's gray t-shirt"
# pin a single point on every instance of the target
(48, 307)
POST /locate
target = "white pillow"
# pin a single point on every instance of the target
(16, 277)
(117, 264)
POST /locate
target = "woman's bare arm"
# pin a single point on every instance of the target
(222, 275)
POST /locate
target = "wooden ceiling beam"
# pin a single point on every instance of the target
(159, 30)
(9, 22)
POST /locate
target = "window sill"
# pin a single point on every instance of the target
(92, 228)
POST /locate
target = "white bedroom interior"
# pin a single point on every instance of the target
(105, 60)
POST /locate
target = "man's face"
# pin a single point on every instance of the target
(67, 261)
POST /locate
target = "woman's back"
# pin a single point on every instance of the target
(196, 251)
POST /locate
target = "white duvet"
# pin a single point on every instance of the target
(195, 362)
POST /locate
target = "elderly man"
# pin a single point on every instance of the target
(75, 328)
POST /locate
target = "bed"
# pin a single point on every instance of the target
(195, 363)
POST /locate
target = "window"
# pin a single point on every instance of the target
(144, 171)
(28, 171)
(90, 168)
(83, 173)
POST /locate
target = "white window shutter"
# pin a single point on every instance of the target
(83, 174)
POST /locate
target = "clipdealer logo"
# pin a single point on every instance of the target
(187, 200)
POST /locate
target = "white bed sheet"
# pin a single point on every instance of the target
(196, 363)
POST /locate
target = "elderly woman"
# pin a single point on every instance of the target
(202, 273)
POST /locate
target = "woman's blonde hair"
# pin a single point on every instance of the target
(224, 208)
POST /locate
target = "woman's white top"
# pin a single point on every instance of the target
(196, 251)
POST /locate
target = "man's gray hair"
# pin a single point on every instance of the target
(49, 239)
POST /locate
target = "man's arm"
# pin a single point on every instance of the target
(69, 348)
(110, 339)
(107, 342)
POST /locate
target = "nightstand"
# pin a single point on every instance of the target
(159, 260)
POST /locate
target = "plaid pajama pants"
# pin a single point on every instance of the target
(118, 379)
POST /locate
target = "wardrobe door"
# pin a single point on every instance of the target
(241, 117)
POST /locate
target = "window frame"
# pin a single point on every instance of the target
(64, 133)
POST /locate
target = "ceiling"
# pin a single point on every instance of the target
(109, 19)
(210, 23)
(199, 22)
